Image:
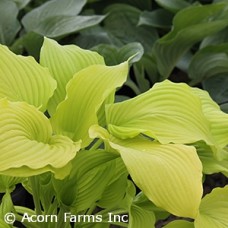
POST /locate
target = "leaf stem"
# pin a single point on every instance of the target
(35, 194)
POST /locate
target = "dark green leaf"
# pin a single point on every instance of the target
(114, 55)
(21, 3)
(9, 25)
(190, 25)
(173, 5)
(208, 62)
(217, 88)
(157, 18)
(217, 38)
(122, 23)
(56, 18)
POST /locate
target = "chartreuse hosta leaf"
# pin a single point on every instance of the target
(210, 163)
(141, 217)
(190, 25)
(23, 79)
(213, 210)
(8, 182)
(27, 144)
(63, 62)
(85, 94)
(141, 212)
(218, 119)
(170, 175)
(168, 112)
(91, 173)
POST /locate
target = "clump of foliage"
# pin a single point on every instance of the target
(79, 159)
(71, 135)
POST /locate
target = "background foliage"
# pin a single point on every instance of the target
(182, 40)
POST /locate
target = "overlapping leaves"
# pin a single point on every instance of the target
(23, 79)
(27, 145)
(190, 25)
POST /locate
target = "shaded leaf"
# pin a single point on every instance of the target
(8, 183)
(85, 94)
(190, 25)
(63, 62)
(23, 79)
(122, 22)
(208, 62)
(89, 169)
(27, 144)
(9, 25)
(157, 18)
(142, 201)
(21, 3)
(173, 5)
(141, 217)
(217, 88)
(180, 224)
(210, 163)
(56, 18)
(114, 55)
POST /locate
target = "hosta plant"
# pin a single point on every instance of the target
(90, 162)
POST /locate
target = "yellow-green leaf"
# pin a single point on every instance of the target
(8, 183)
(213, 210)
(169, 175)
(218, 119)
(27, 145)
(169, 112)
(141, 217)
(85, 94)
(63, 62)
(23, 79)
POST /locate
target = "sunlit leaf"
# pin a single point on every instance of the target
(169, 175)
(218, 119)
(23, 79)
(213, 209)
(190, 25)
(85, 94)
(63, 62)
(27, 144)
(168, 112)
